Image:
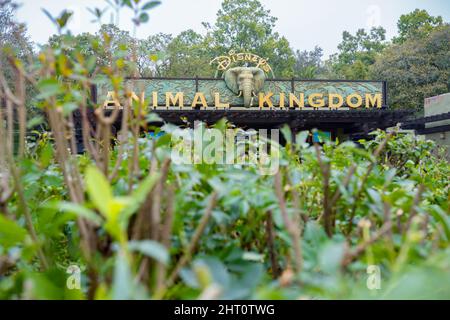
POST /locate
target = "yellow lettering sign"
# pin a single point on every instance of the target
(111, 98)
(265, 99)
(316, 100)
(350, 102)
(293, 99)
(199, 98)
(282, 98)
(331, 98)
(154, 99)
(172, 100)
(373, 100)
(217, 102)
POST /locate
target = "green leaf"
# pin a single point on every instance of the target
(151, 5)
(442, 218)
(10, 232)
(48, 88)
(46, 155)
(80, 211)
(48, 15)
(69, 107)
(143, 17)
(64, 18)
(330, 257)
(139, 195)
(99, 190)
(287, 133)
(127, 3)
(123, 278)
(35, 121)
(151, 249)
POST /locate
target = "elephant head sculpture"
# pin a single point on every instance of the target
(245, 82)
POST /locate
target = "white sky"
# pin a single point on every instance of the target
(305, 23)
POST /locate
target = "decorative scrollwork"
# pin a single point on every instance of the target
(225, 62)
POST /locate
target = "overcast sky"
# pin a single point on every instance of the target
(305, 23)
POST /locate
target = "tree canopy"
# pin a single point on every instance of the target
(417, 24)
(416, 69)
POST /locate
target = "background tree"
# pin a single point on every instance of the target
(245, 25)
(189, 54)
(152, 55)
(308, 64)
(417, 24)
(357, 52)
(13, 37)
(416, 69)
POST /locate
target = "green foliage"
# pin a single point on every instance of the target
(416, 69)
(357, 52)
(234, 30)
(188, 55)
(232, 258)
(308, 64)
(417, 24)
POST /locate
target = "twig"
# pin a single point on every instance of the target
(413, 212)
(166, 232)
(327, 212)
(360, 249)
(194, 241)
(290, 225)
(271, 245)
(376, 153)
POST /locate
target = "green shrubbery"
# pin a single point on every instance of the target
(223, 232)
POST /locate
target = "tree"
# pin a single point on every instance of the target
(357, 52)
(13, 36)
(105, 46)
(416, 69)
(417, 24)
(308, 64)
(152, 55)
(245, 25)
(189, 54)
(14, 42)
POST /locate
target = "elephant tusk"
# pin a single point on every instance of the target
(254, 93)
(240, 93)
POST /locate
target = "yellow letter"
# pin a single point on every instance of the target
(299, 102)
(217, 102)
(316, 104)
(115, 100)
(134, 97)
(171, 100)
(350, 102)
(155, 99)
(331, 103)
(372, 100)
(199, 96)
(282, 98)
(265, 99)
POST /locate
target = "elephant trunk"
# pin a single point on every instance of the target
(247, 89)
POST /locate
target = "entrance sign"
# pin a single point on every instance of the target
(214, 93)
(245, 84)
